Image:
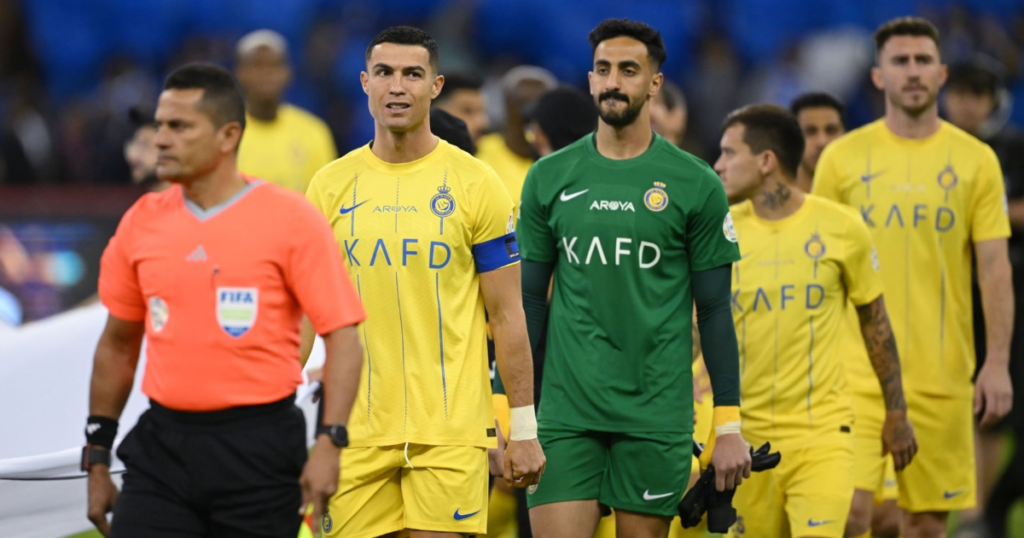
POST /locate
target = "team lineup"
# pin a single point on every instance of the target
(820, 280)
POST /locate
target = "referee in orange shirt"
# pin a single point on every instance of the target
(216, 273)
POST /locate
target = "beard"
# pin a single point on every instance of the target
(619, 119)
(914, 110)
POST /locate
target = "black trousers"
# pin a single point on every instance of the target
(223, 474)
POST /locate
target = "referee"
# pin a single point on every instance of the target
(216, 273)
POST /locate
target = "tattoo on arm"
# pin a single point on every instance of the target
(881, 346)
(777, 197)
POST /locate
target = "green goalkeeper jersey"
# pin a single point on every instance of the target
(625, 237)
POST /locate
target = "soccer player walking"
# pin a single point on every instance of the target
(216, 272)
(638, 231)
(428, 234)
(930, 193)
(803, 258)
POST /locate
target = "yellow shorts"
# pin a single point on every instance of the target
(869, 464)
(889, 489)
(942, 476)
(808, 494)
(444, 490)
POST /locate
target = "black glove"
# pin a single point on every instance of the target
(718, 504)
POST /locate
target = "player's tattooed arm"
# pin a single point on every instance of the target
(881, 346)
(775, 199)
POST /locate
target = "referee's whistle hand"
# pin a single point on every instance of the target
(524, 463)
(102, 495)
(320, 478)
(731, 459)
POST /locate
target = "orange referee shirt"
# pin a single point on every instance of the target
(222, 292)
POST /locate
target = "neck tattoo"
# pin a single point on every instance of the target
(777, 198)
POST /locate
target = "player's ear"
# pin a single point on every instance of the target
(438, 84)
(364, 79)
(767, 162)
(656, 82)
(876, 78)
(230, 135)
(943, 74)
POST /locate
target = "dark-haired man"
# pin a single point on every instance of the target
(559, 118)
(221, 448)
(639, 231)
(929, 192)
(428, 233)
(463, 98)
(820, 116)
(803, 257)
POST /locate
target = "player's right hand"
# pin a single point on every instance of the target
(898, 438)
(524, 463)
(731, 459)
(496, 456)
(102, 496)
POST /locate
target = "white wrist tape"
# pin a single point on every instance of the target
(727, 428)
(524, 424)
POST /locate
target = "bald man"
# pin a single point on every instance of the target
(282, 143)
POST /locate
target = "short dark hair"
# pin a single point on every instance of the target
(816, 100)
(565, 115)
(451, 129)
(612, 28)
(459, 81)
(901, 26)
(771, 128)
(223, 100)
(672, 95)
(407, 35)
(976, 77)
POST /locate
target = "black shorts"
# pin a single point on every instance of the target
(223, 474)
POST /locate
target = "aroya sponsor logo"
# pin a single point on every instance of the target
(611, 205)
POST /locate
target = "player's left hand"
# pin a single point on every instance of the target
(731, 459)
(524, 463)
(993, 393)
(320, 479)
(898, 438)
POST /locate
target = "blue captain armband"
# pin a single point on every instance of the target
(496, 253)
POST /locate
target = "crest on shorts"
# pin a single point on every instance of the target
(326, 522)
(158, 313)
(237, 309)
(656, 198)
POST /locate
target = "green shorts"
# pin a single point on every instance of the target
(645, 473)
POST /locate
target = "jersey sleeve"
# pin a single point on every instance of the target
(860, 264)
(316, 275)
(494, 236)
(990, 219)
(826, 179)
(711, 236)
(119, 288)
(535, 237)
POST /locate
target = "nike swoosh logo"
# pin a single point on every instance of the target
(566, 197)
(649, 497)
(869, 177)
(347, 210)
(951, 494)
(460, 517)
(812, 523)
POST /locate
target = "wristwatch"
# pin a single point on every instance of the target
(94, 455)
(338, 434)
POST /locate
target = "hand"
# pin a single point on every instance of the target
(102, 496)
(524, 463)
(496, 456)
(898, 438)
(320, 478)
(731, 459)
(993, 392)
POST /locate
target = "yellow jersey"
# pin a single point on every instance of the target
(790, 292)
(511, 168)
(288, 150)
(925, 201)
(416, 237)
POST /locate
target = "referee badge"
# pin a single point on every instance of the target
(656, 198)
(237, 309)
(158, 313)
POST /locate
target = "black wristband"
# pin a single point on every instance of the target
(100, 431)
